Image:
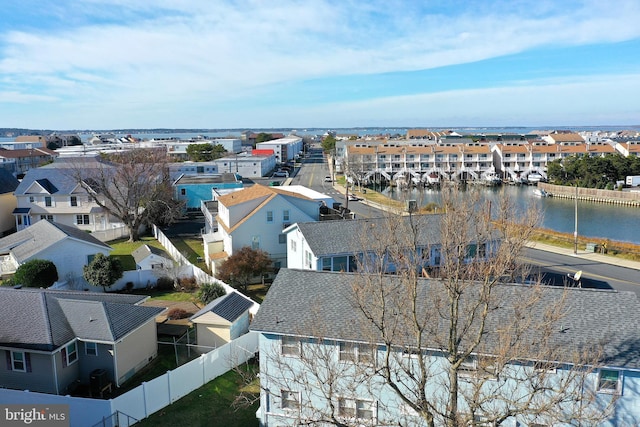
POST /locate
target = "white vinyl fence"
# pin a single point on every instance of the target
(151, 396)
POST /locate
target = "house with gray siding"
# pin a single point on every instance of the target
(55, 340)
(321, 355)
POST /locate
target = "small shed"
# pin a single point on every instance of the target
(151, 258)
(222, 320)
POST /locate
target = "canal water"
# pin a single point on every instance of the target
(597, 220)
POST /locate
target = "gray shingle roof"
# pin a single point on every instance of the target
(145, 250)
(55, 181)
(8, 182)
(302, 303)
(40, 319)
(350, 236)
(33, 239)
(229, 307)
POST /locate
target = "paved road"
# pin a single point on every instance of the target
(598, 271)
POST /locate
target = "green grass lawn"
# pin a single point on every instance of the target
(210, 405)
(122, 250)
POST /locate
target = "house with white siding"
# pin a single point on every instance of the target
(256, 217)
(53, 193)
(68, 247)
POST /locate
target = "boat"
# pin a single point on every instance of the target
(491, 179)
(433, 179)
(534, 178)
(540, 192)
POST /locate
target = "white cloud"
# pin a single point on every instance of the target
(186, 52)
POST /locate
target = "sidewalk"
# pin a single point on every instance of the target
(592, 256)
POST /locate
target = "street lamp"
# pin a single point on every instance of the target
(575, 228)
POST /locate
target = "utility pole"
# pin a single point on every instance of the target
(575, 229)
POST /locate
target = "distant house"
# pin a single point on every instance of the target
(195, 189)
(255, 164)
(27, 159)
(285, 149)
(222, 320)
(69, 248)
(8, 201)
(322, 357)
(54, 340)
(151, 258)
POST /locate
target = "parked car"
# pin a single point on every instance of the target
(281, 174)
(328, 179)
(354, 198)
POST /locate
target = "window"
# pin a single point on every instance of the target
(269, 216)
(340, 263)
(47, 200)
(365, 409)
(32, 199)
(82, 219)
(91, 348)
(469, 366)
(308, 258)
(294, 246)
(73, 201)
(352, 352)
(411, 352)
(69, 354)
(547, 367)
(48, 217)
(18, 361)
(183, 191)
(360, 409)
(347, 352)
(290, 346)
(285, 215)
(346, 408)
(290, 399)
(609, 381)
(255, 242)
(282, 238)
(353, 263)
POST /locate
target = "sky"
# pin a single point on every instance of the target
(222, 64)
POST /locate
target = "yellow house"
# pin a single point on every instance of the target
(222, 320)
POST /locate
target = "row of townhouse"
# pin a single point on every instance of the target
(464, 159)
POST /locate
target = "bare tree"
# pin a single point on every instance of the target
(462, 347)
(132, 186)
(489, 338)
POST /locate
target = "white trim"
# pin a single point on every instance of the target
(23, 361)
